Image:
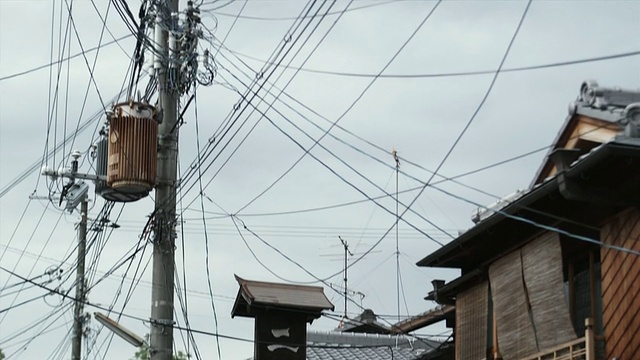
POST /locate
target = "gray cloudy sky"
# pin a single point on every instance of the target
(420, 117)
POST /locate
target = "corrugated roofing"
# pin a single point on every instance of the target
(261, 294)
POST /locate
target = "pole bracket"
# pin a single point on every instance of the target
(162, 322)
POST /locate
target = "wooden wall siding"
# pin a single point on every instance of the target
(471, 323)
(621, 287)
(516, 338)
(543, 279)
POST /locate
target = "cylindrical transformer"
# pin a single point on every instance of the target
(133, 142)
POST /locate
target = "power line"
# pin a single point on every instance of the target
(248, 17)
(215, 140)
(306, 151)
(475, 113)
(458, 73)
(204, 226)
(353, 104)
(29, 71)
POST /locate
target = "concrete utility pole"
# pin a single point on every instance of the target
(78, 316)
(161, 340)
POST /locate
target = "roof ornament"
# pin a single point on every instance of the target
(587, 92)
(631, 120)
(599, 97)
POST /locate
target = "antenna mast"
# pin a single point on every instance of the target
(346, 252)
(394, 153)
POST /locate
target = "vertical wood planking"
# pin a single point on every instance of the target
(621, 286)
(472, 310)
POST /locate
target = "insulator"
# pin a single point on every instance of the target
(157, 61)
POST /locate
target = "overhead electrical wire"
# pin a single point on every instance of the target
(386, 152)
(353, 104)
(38, 163)
(333, 171)
(458, 73)
(125, 315)
(106, 275)
(324, 280)
(235, 20)
(204, 226)
(292, 18)
(84, 55)
(54, 91)
(260, 78)
(184, 303)
(325, 133)
(89, 50)
(10, 345)
(262, 99)
(444, 179)
(91, 69)
(42, 328)
(306, 152)
(15, 266)
(475, 113)
(457, 139)
(70, 272)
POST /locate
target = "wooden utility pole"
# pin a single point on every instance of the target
(78, 316)
(161, 339)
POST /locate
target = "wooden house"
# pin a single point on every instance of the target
(554, 273)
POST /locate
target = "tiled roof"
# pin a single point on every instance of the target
(350, 353)
(349, 346)
(338, 346)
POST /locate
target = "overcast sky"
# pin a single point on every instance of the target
(419, 116)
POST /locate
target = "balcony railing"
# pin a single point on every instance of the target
(579, 349)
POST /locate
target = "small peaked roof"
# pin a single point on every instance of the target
(594, 118)
(367, 322)
(260, 295)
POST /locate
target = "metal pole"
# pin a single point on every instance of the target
(78, 316)
(346, 268)
(161, 339)
(397, 160)
(345, 277)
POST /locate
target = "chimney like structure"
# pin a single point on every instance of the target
(281, 313)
